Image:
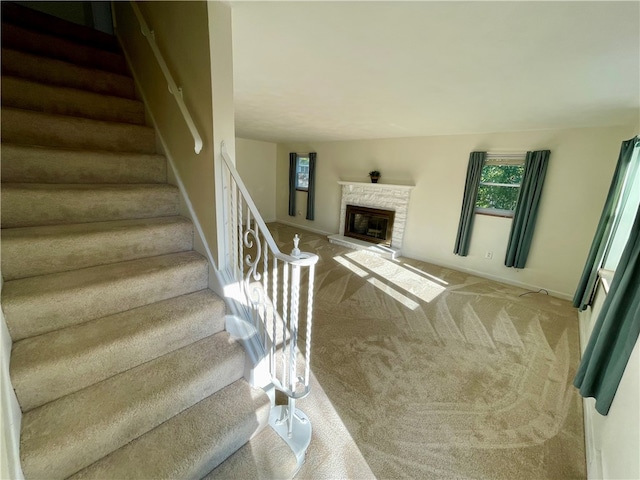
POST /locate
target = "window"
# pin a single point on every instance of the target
(302, 173)
(625, 213)
(500, 185)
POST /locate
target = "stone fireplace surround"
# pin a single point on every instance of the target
(375, 195)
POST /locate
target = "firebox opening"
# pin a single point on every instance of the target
(369, 224)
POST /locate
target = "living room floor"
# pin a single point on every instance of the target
(425, 372)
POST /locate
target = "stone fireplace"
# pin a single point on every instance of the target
(378, 197)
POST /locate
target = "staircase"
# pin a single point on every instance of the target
(120, 361)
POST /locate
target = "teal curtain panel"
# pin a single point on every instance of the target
(465, 226)
(587, 282)
(311, 197)
(616, 330)
(526, 213)
(292, 183)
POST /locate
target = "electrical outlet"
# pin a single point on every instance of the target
(299, 212)
(488, 255)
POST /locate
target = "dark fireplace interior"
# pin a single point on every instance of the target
(369, 224)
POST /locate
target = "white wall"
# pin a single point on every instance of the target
(613, 441)
(581, 166)
(256, 163)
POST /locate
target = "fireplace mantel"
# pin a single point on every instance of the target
(378, 185)
(385, 196)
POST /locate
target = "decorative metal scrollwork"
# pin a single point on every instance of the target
(255, 295)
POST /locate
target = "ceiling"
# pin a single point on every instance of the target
(318, 71)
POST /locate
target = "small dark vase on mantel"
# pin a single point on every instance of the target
(374, 175)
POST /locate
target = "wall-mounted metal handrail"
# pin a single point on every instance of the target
(173, 88)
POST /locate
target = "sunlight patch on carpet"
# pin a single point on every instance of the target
(407, 280)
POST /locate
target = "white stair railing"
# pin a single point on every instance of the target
(274, 294)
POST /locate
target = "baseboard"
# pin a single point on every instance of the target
(496, 278)
(508, 281)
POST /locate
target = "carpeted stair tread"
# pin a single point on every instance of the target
(34, 20)
(21, 163)
(29, 95)
(30, 251)
(193, 442)
(64, 436)
(31, 204)
(27, 127)
(45, 303)
(264, 457)
(34, 42)
(65, 74)
(49, 366)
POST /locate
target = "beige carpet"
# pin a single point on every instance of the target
(436, 373)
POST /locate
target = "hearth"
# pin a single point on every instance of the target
(370, 224)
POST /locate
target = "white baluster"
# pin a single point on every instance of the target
(265, 289)
(274, 318)
(294, 316)
(309, 325)
(285, 326)
(293, 327)
(234, 227)
(240, 242)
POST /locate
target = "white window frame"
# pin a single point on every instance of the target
(501, 159)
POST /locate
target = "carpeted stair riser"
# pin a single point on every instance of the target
(29, 95)
(264, 457)
(27, 164)
(35, 128)
(49, 366)
(34, 20)
(37, 305)
(26, 40)
(192, 443)
(65, 74)
(62, 437)
(31, 204)
(31, 251)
